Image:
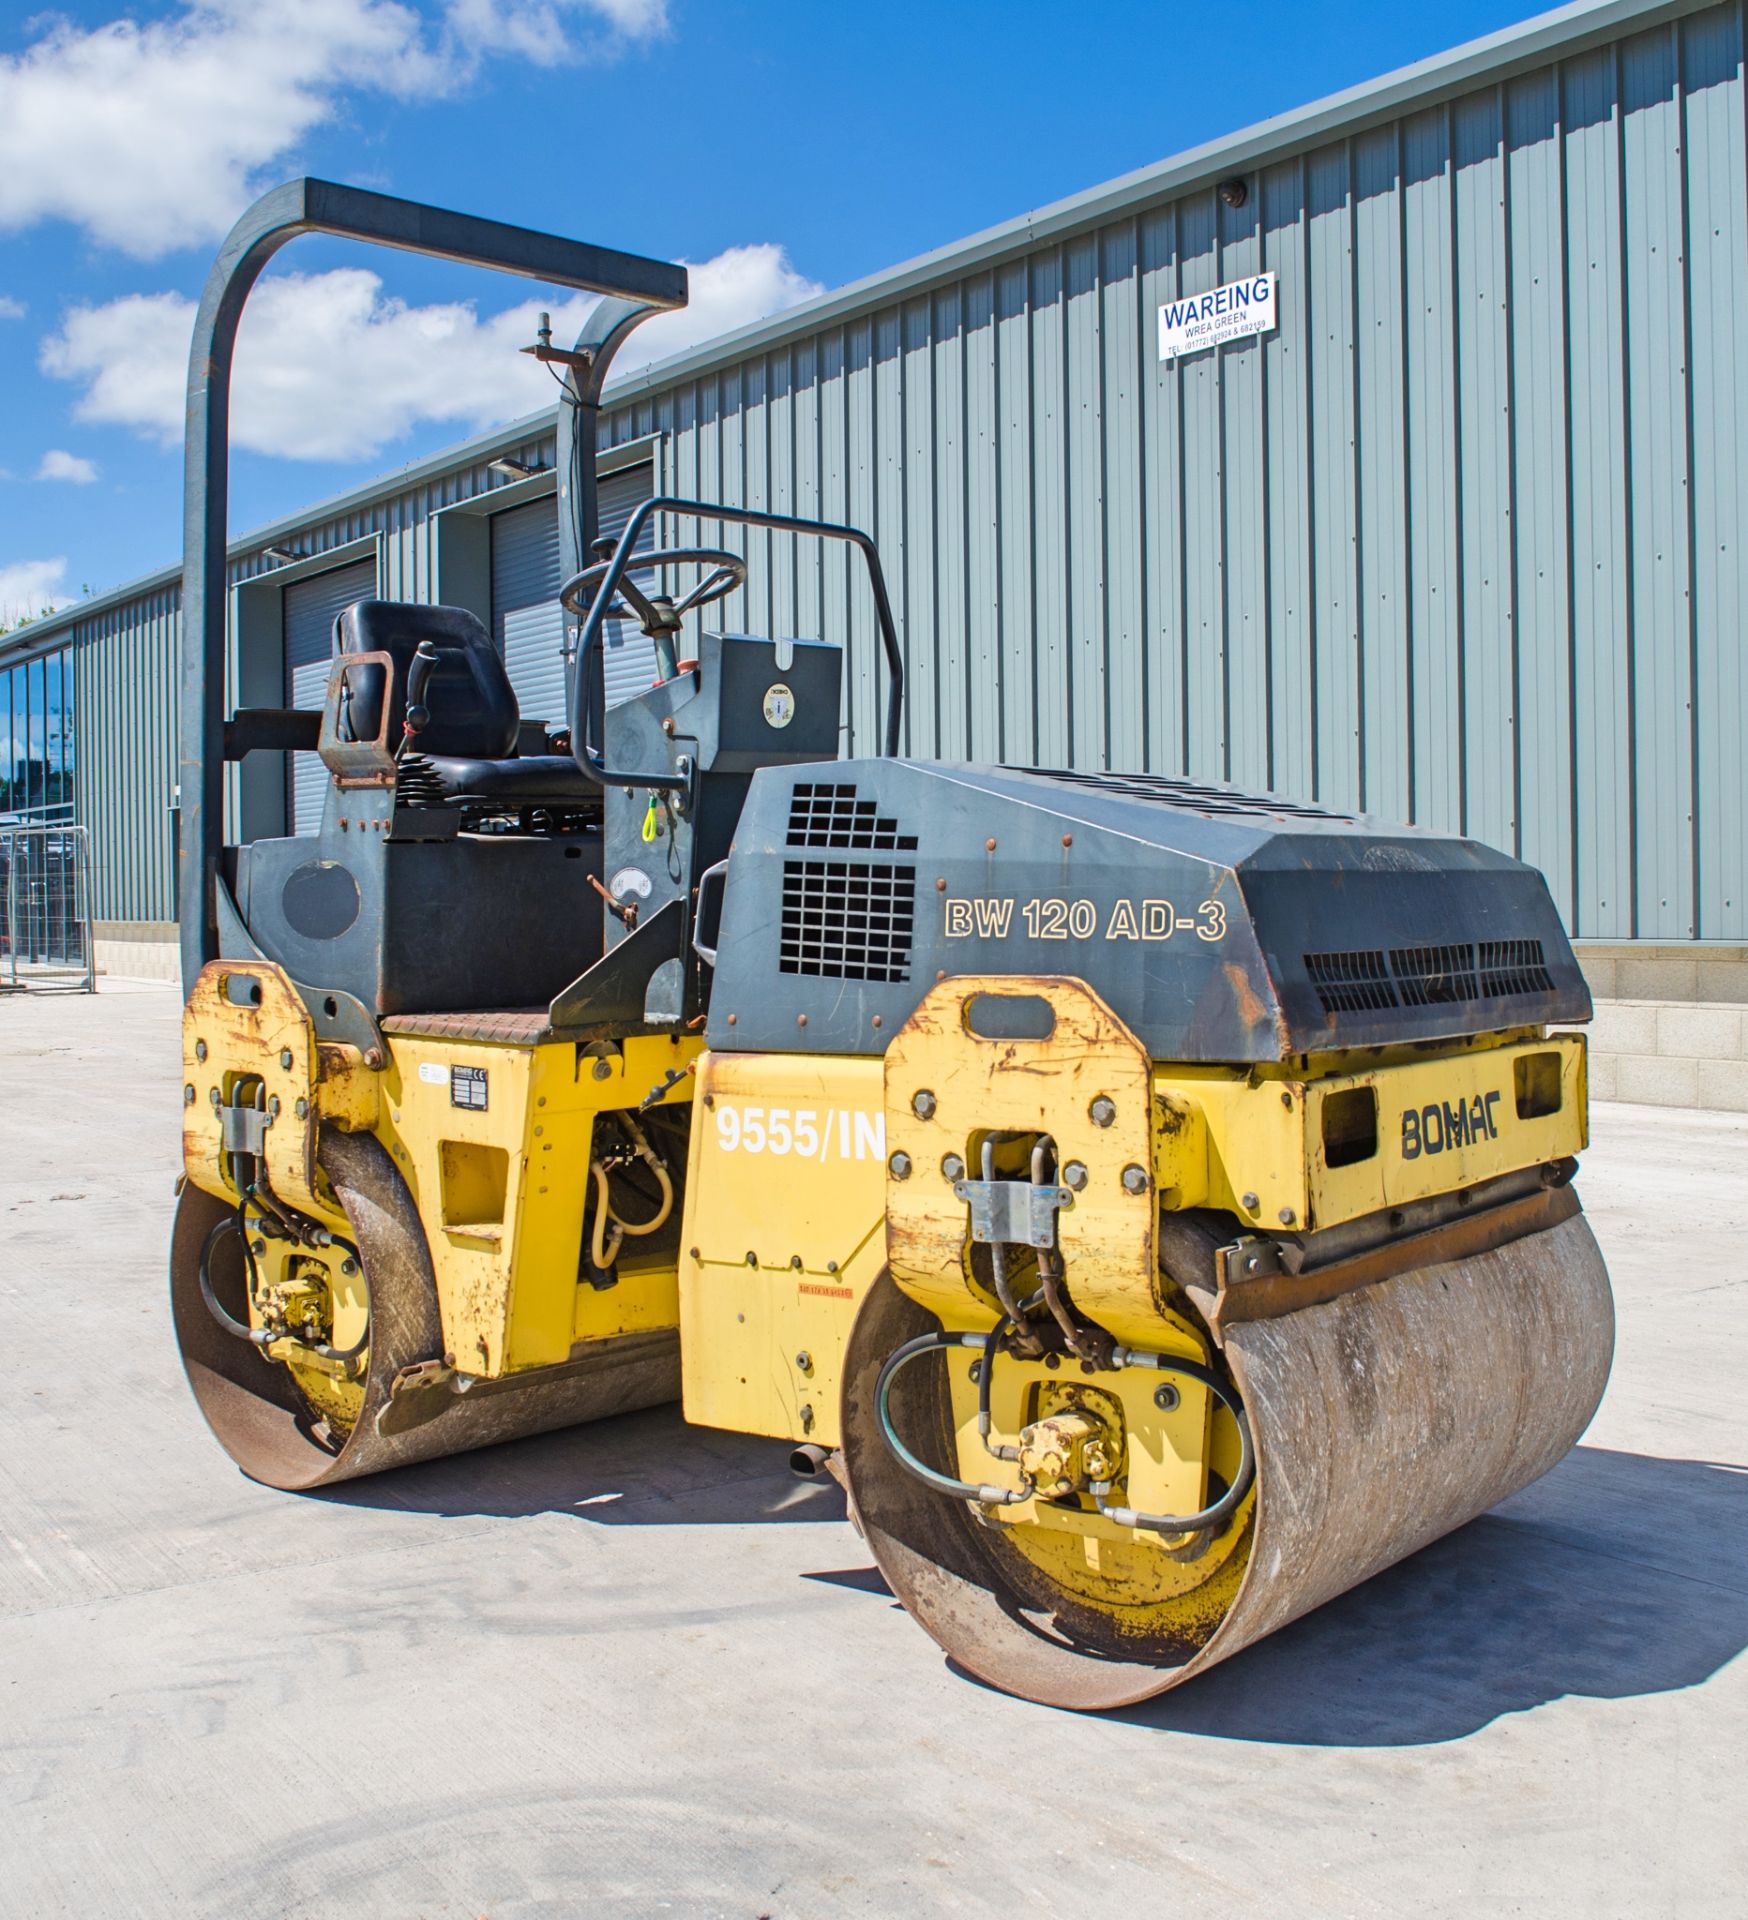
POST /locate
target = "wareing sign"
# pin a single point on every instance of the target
(1232, 312)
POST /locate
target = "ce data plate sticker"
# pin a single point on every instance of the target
(467, 1088)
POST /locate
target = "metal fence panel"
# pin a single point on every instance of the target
(45, 909)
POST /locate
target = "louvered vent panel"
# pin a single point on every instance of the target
(1434, 976)
(1363, 981)
(1354, 982)
(845, 921)
(1511, 967)
(828, 814)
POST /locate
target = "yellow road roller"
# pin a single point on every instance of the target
(1152, 1200)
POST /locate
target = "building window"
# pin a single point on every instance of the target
(36, 741)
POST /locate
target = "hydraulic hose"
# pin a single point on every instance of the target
(664, 1180)
(237, 1223)
(1205, 1520)
(612, 1229)
(1209, 1517)
(603, 1252)
(941, 1482)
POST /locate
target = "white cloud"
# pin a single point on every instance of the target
(329, 368)
(10, 309)
(30, 587)
(153, 136)
(58, 464)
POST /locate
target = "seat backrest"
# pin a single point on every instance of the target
(472, 704)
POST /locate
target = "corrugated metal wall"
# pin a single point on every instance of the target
(124, 687)
(1457, 544)
(1461, 542)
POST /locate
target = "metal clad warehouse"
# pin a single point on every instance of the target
(1459, 541)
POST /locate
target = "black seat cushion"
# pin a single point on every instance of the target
(473, 708)
(540, 780)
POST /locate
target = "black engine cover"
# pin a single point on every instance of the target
(1221, 926)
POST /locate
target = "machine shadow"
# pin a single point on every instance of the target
(637, 1469)
(1617, 1575)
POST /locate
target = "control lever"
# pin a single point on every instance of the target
(417, 716)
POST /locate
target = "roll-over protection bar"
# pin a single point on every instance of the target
(636, 286)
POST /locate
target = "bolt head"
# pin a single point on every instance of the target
(1165, 1398)
(188, 1094)
(1288, 1217)
(1074, 1176)
(807, 1419)
(923, 1106)
(603, 1069)
(285, 1058)
(899, 1166)
(302, 1109)
(804, 1361)
(1249, 1202)
(1103, 1111)
(373, 1059)
(952, 1167)
(1134, 1179)
(200, 1049)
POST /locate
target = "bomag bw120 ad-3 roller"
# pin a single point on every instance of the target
(1153, 1200)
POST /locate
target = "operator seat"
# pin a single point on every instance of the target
(469, 742)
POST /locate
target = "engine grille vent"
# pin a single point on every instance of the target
(846, 921)
(1435, 976)
(1356, 982)
(1513, 966)
(1361, 981)
(823, 814)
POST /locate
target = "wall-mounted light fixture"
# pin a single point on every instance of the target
(282, 556)
(514, 469)
(1233, 192)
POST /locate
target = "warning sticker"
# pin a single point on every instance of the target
(467, 1088)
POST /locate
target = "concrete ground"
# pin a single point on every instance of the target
(637, 1669)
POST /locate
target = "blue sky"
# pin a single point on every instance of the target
(781, 148)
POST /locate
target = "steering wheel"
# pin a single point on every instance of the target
(657, 614)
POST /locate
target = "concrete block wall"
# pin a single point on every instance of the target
(137, 949)
(1671, 1026)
